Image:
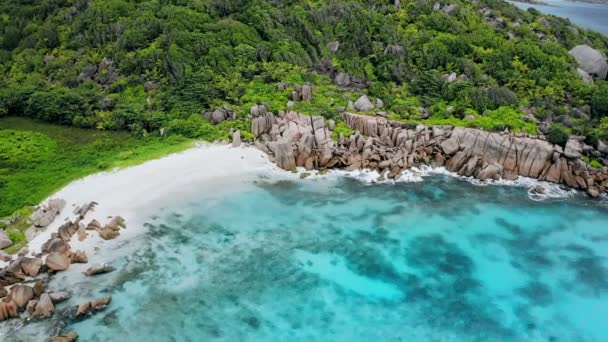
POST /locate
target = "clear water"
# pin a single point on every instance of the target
(587, 15)
(342, 260)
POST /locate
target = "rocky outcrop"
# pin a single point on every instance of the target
(219, 115)
(297, 140)
(590, 61)
(45, 214)
(91, 307)
(301, 93)
(23, 282)
(261, 120)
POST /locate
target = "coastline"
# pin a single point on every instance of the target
(140, 192)
(136, 191)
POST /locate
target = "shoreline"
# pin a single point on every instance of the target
(139, 192)
(144, 188)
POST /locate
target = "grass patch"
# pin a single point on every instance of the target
(37, 159)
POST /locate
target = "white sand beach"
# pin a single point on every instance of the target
(139, 190)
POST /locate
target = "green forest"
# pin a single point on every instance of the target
(150, 64)
(152, 67)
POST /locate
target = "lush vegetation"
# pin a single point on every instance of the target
(150, 64)
(37, 159)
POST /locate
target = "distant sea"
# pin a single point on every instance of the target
(586, 15)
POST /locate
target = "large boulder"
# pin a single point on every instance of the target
(333, 47)
(21, 294)
(218, 115)
(591, 61)
(31, 266)
(342, 79)
(45, 306)
(45, 214)
(5, 240)
(284, 156)
(79, 257)
(57, 261)
(363, 104)
(236, 139)
(57, 245)
(8, 309)
(573, 148)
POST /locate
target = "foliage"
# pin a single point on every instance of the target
(145, 65)
(341, 128)
(558, 135)
(37, 159)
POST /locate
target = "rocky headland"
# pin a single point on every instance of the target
(295, 140)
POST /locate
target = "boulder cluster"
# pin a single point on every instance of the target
(295, 140)
(24, 280)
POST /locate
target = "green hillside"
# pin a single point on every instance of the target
(143, 65)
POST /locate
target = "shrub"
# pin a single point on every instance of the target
(558, 135)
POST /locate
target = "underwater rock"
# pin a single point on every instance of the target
(91, 307)
(99, 269)
(69, 337)
(58, 297)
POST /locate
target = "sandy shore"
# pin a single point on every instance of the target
(137, 191)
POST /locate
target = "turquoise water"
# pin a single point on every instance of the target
(341, 260)
(587, 15)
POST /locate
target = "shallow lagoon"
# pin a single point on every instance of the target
(343, 260)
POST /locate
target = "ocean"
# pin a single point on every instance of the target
(342, 259)
(587, 15)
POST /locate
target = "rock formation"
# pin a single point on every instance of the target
(45, 214)
(5, 240)
(219, 115)
(590, 61)
(295, 140)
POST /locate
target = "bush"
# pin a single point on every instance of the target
(558, 135)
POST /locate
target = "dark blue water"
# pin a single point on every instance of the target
(586, 15)
(342, 260)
